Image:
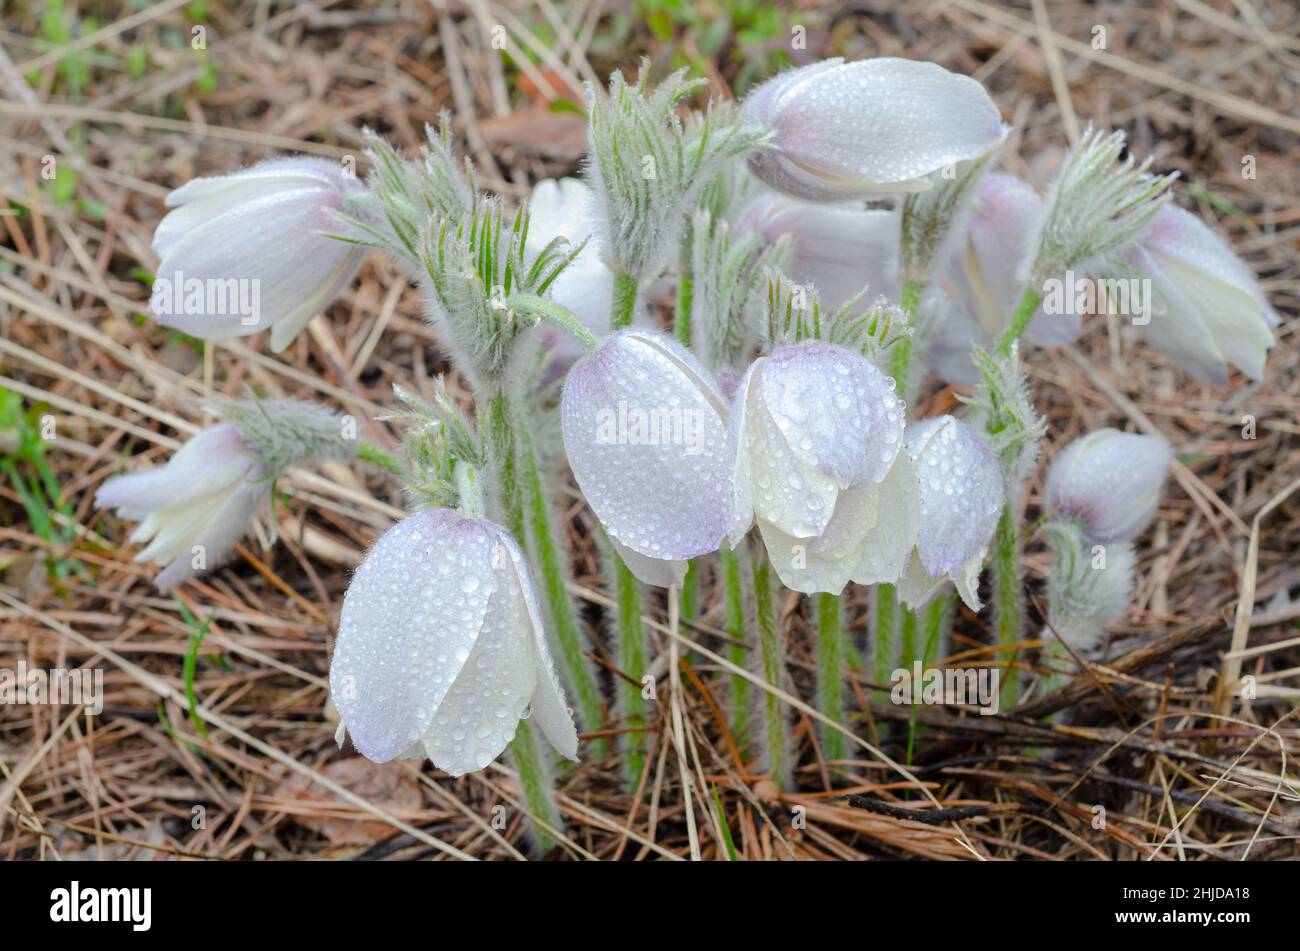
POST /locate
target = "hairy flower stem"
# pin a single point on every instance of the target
(632, 661)
(624, 302)
(907, 624)
(1019, 320)
(554, 579)
(539, 786)
(534, 774)
(734, 605)
(884, 617)
(910, 299)
(773, 739)
(830, 671)
(1008, 599)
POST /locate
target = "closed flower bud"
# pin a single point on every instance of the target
(646, 435)
(875, 126)
(837, 248)
(1109, 482)
(1088, 587)
(818, 431)
(244, 252)
(1214, 312)
(441, 650)
(961, 497)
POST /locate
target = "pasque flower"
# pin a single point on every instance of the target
(244, 252)
(1214, 312)
(845, 130)
(1109, 482)
(441, 650)
(193, 509)
(646, 435)
(817, 431)
(985, 281)
(839, 248)
(961, 496)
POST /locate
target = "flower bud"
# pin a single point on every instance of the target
(961, 498)
(1214, 312)
(845, 130)
(837, 248)
(441, 650)
(244, 252)
(1089, 585)
(817, 431)
(646, 435)
(1109, 482)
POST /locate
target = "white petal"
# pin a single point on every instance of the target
(410, 620)
(1110, 481)
(662, 488)
(742, 475)
(884, 551)
(967, 580)
(225, 524)
(916, 586)
(654, 571)
(211, 461)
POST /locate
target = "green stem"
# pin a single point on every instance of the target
(555, 576)
(769, 642)
(539, 785)
(682, 317)
(1008, 599)
(884, 620)
(931, 623)
(830, 671)
(469, 490)
(910, 299)
(624, 302)
(534, 773)
(906, 636)
(734, 605)
(1019, 320)
(691, 590)
(631, 660)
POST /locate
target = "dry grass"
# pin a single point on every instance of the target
(1181, 773)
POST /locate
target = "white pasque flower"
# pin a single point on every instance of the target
(839, 248)
(1214, 311)
(441, 650)
(646, 435)
(244, 252)
(193, 509)
(984, 280)
(817, 431)
(875, 126)
(563, 208)
(961, 498)
(1109, 482)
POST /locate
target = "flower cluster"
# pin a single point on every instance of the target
(834, 236)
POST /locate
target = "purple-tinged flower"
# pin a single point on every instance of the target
(1109, 482)
(646, 435)
(875, 126)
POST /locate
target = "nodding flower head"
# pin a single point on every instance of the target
(961, 498)
(817, 431)
(193, 509)
(244, 252)
(441, 650)
(646, 435)
(1109, 482)
(1213, 312)
(875, 126)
